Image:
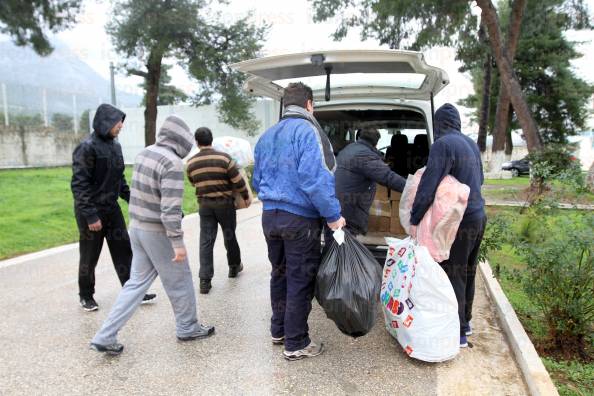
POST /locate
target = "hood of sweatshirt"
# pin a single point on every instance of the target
(106, 117)
(175, 134)
(447, 121)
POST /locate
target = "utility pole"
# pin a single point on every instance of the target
(113, 92)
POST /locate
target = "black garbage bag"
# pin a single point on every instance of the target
(348, 286)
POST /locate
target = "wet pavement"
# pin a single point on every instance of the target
(45, 335)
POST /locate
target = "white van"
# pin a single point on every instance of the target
(391, 90)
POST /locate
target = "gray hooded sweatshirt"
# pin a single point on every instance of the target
(158, 182)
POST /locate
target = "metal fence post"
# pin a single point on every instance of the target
(5, 105)
(44, 102)
(74, 112)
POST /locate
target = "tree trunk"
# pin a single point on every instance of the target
(509, 144)
(504, 109)
(152, 93)
(485, 105)
(486, 100)
(507, 75)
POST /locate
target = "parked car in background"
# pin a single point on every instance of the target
(517, 167)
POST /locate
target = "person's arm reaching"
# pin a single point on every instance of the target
(315, 179)
(172, 191)
(439, 165)
(377, 170)
(83, 163)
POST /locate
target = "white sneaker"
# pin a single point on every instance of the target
(311, 350)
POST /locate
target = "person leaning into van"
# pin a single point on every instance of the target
(215, 176)
(455, 154)
(293, 178)
(360, 167)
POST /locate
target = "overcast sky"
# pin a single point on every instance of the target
(292, 30)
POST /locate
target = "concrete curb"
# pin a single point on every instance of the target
(535, 374)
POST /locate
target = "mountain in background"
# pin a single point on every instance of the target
(62, 74)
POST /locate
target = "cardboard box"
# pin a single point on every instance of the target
(381, 209)
(395, 195)
(395, 226)
(378, 224)
(381, 193)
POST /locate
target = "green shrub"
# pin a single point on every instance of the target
(559, 256)
(555, 161)
(62, 122)
(496, 234)
(26, 120)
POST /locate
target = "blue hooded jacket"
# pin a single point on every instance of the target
(452, 154)
(291, 172)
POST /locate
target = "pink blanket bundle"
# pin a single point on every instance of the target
(439, 226)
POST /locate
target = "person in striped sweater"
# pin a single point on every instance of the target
(216, 178)
(157, 239)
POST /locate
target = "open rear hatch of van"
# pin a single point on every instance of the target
(346, 74)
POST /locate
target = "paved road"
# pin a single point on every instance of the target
(45, 336)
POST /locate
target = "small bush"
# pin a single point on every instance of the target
(25, 120)
(559, 255)
(555, 161)
(496, 234)
(62, 122)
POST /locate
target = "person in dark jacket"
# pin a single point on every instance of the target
(455, 154)
(97, 182)
(359, 168)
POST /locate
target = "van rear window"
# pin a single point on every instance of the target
(404, 141)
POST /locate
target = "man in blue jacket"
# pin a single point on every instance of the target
(455, 154)
(293, 176)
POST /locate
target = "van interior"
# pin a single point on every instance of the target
(404, 143)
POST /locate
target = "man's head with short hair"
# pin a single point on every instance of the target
(203, 137)
(298, 94)
(370, 135)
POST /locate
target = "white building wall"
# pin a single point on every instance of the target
(132, 136)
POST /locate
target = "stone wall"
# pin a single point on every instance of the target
(36, 146)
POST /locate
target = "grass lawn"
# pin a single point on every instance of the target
(36, 209)
(515, 189)
(571, 378)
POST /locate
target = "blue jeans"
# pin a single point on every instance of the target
(295, 253)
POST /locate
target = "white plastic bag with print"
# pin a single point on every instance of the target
(239, 149)
(419, 303)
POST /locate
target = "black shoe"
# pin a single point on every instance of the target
(205, 286)
(203, 332)
(234, 271)
(113, 349)
(149, 298)
(89, 304)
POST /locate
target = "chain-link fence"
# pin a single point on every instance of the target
(40, 107)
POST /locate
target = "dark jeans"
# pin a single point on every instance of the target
(294, 252)
(90, 244)
(461, 267)
(210, 218)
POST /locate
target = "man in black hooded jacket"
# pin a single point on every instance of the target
(97, 182)
(458, 155)
(359, 167)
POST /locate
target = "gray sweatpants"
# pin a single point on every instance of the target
(152, 256)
